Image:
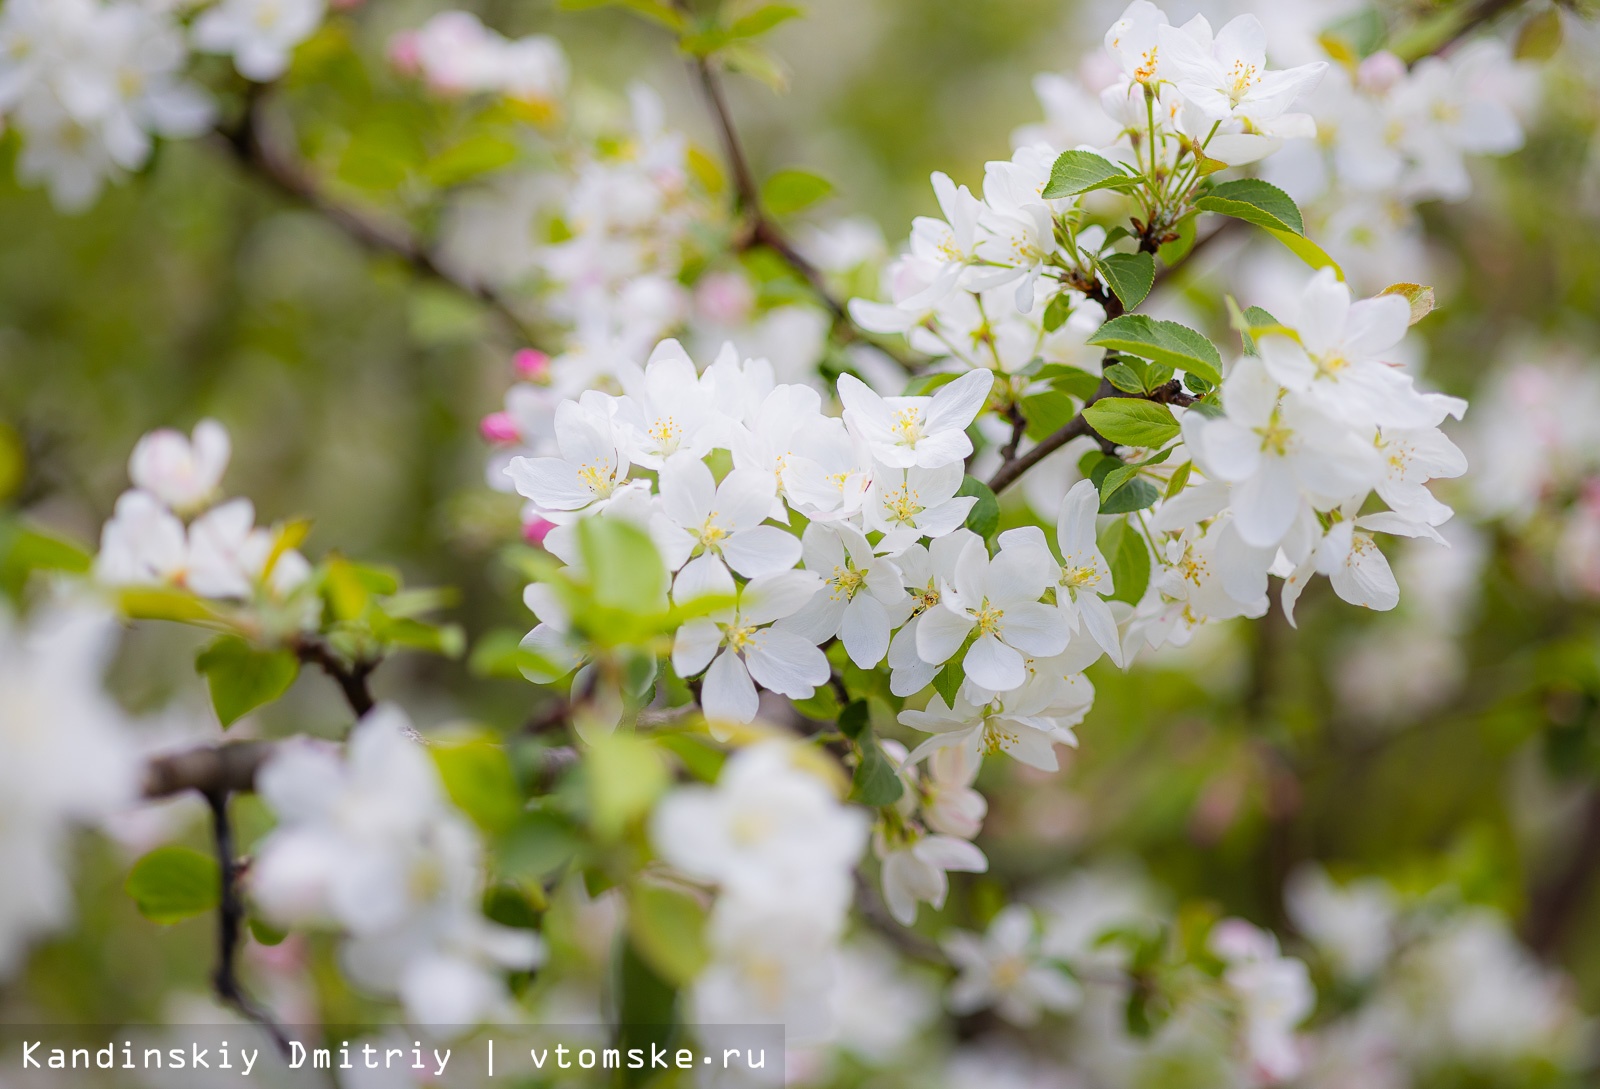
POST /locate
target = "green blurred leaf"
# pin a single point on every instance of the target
(625, 774)
(242, 678)
(1047, 413)
(478, 777)
(790, 191)
(537, 846)
(171, 884)
(667, 927)
(625, 570)
(947, 682)
(476, 155)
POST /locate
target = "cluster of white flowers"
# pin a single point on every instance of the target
(1376, 137)
(221, 553)
(91, 83)
(68, 760)
(368, 843)
(1445, 987)
(781, 851)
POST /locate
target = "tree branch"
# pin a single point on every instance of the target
(228, 768)
(230, 923)
(351, 677)
(760, 230)
(254, 150)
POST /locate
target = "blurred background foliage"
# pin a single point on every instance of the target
(352, 389)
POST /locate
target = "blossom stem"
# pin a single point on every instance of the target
(351, 677)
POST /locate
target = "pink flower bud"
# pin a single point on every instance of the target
(405, 52)
(532, 364)
(534, 532)
(499, 427)
(1380, 73)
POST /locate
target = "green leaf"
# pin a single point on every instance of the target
(1131, 275)
(625, 570)
(875, 782)
(1308, 251)
(1166, 342)
(265, 933)
(854, 719)
(790, 191)
(24, 550)
(479, 780)
(1128, 421)
(947, 682)
(478, 154)
(1134, 494)
(924, 384)
(763, 19)
(171, 884)
(1540, 36)
(668, 926)
(1179, 478)
(242, 678)
(538, 845)
(1057, 312)
(1074, 380)
(1128, 558)
(447, 640)
(821, 706)
(625, 775)
(646, 1011)
(1254, 201)
(984, 518)
(1076, 171)
(1124, 378)
(1175, 251)
(1049, 412)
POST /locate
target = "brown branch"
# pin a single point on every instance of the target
(759, 227)
(228, 768)
(254, 150)
(350, 676)
(1556, 904)
(230, 925)
(1013, 468)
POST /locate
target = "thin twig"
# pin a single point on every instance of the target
(230, 924)
(761, 230)
(1078, 426)
(254, 150)
(228, 768)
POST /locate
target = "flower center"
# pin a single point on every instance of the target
(908, 425)
(1147, 66)
(1241, 80)
(901, 506)
(846, 581)
(599, 479)
(997, 738)
(989, 619)
(665, 432)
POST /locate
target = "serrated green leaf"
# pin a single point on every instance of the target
(984, 518)
(1131, 275)
(1254, 201)
(1129, 421)
(479, 780)
(1124, 378)
(1076, 171)
(242, 678)
(1136, 494)
(171, 884)
(1165, 342)
(790, 191)
(1128, 558)
(1179, 478)
(1071, 380)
